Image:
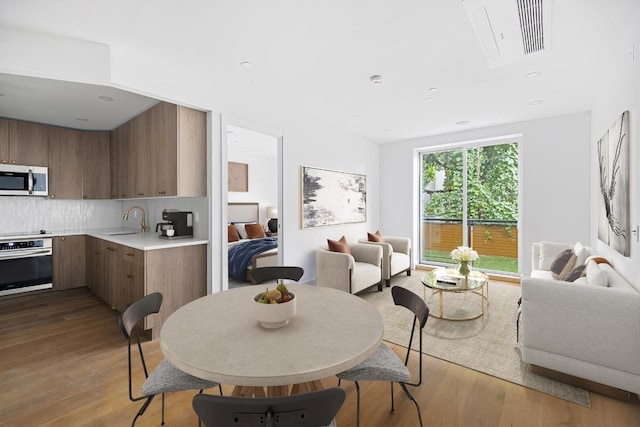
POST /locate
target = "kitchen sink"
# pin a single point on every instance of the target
(121, 233)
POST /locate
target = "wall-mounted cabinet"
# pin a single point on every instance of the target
(23, 143)
(161, 152)
(97, 165)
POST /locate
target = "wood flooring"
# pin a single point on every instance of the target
(64, 363)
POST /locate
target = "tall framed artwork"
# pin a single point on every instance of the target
(613, 207)
(331, 197)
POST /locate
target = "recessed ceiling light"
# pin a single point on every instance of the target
(536, 102)
(246, 64)
(532, 74)
(462, 122)
(428, 99)
(432, 89)
(82, 119)
(376, 79)
(357, 116)
(105, 98)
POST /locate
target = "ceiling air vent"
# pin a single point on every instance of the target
(531, 26)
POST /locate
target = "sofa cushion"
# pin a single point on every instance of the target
(548, 252)
(339, 245)
(595, 275)
(541, 274)
(581, 253)
(562, 264)
(377, 237)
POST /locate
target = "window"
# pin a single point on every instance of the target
(469, 196)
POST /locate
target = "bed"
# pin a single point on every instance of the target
(248, 253)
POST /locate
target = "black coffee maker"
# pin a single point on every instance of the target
(179, 224)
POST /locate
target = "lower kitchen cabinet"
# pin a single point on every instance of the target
(69, 262)
(121, 275)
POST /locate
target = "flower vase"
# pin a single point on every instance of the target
(464, 269)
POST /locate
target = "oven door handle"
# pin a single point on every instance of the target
(24, 254)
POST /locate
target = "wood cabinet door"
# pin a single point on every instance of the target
(69, 262)
(94, 265)
(28, 143)
(143, 171)
(66, 158)
(163, 128)
(4, 141)
(131, 271)
(192, 153)
(125, 161)
(97, 165)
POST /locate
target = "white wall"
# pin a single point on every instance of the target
(555, 180)
(618, 93)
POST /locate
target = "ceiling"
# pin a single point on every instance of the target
(312, 61)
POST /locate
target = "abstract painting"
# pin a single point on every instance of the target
(613, 161)
(332, 198)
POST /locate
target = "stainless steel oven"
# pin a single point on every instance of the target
(25, 265)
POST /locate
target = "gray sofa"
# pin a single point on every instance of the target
(581, 329)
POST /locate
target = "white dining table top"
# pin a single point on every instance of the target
(217, 338)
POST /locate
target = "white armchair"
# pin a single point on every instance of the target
(351, 273)
(396, 256)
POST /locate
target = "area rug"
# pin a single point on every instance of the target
(487, 344)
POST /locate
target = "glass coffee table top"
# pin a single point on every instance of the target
(448, 280)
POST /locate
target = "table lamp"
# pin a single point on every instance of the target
(272, 214)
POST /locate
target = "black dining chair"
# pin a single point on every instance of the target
(384, 364)
(165, 377)
(268, 274)
(318, 408)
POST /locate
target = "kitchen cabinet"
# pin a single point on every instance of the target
(123, 162)
(162, 152)
(129, 283)
(66, 154)
(96, 182)
(24, 143)
(69, 262)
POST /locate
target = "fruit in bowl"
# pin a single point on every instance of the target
(274, 308)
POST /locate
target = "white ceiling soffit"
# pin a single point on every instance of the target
(510, 30)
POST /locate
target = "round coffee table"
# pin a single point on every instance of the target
(448, 280)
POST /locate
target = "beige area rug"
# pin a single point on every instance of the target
(487, 344)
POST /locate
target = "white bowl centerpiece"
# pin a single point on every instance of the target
(273, 308)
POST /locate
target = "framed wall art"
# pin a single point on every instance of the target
(613, 205)
(331, 197)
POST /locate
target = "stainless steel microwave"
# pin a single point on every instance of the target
(19, 180)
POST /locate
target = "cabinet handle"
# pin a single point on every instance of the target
(96, 253)
(129, 254)
(52, 196)
(62, 238)
(162, 192)
(129, 276)
(140, 194)
(13, 161)
(111, 249)
(123, 195)
(4, 161)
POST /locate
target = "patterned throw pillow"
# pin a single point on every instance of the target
(576, 273)
(562, 264)
(375, 237)
(339, 246)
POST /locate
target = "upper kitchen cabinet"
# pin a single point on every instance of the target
(162, 152)
(97, 165)
(123, 164)
(24, 143)
(66, 154)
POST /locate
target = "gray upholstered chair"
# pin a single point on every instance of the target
(384, 364)
(351, 273)
(165, 377)
(396, 256)
(318, 408)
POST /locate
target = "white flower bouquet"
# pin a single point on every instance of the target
(464, 255)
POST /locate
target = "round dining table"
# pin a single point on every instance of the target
(217, 338)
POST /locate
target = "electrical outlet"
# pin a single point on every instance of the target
(196, 217)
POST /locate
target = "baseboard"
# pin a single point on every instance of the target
(605, 390)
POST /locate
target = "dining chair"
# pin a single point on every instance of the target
(267, 274)
(318, 408)
(165, 377)
(384, 364)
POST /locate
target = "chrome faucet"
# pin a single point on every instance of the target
(143, 224)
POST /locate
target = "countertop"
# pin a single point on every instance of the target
(133, 238)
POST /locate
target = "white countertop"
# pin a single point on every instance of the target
(134, 238)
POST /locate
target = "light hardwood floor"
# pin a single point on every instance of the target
(64, 363)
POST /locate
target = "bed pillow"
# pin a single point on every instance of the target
(233, 233)
(255, 231)
(377, 237)
(339, 245)
(241, 230)
(562, 264)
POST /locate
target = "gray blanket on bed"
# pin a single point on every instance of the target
(240, 254)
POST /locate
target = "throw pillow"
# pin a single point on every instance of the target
(255, 231)
(597, 259)
(241, 230)
(581, 253)
(576, 273)
(375, 237)
(596, 276)
(562, 264)
(339, 245)
(233, 233)
(548, 252)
